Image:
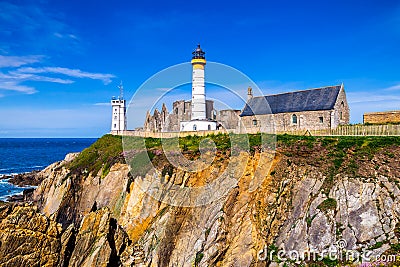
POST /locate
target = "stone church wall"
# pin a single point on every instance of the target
(316, 120)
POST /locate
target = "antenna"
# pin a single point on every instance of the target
(121, 91)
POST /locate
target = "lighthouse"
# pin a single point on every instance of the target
(118, 121)
(198, 120)
(198, 87)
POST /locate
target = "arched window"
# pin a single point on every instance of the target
(294, 119)
(341, 115)
(194, 127)
(209, 127)
(342, 104)
(176, 110)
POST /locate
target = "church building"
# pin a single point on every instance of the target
(313, 109)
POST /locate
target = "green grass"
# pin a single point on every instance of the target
(199, 257)
(101, 155)
(108, 150)
(328, 204)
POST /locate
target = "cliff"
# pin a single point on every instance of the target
(315, 194)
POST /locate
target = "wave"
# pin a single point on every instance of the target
(7, 190)
(25, 167)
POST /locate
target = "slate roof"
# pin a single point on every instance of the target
(323, 98)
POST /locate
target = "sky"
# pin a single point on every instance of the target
(62, 61)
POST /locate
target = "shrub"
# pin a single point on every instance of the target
(328, 204)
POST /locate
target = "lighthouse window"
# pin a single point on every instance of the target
(115, 126)
(115, 110)
(209, 127)
(194, 127)
(115, 117)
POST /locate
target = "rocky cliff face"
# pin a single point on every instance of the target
(318, 194)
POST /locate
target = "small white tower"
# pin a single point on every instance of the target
(118, 122)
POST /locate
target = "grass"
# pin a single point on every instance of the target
(101, 155)
(328, 204)
(199, 257)
(108, 150)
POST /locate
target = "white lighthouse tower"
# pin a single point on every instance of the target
(118, 121)
(199, 121)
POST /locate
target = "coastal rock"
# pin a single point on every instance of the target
(98, 242)
(28, 238)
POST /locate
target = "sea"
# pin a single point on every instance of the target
(22, 155)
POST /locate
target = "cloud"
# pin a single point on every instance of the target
(15, 61)
(366, 97)
(12, 79)
(14, 86)
(102, 104)
(104, 77)
(164, 89)
(65, 36)
(393, 88)
(16, 76)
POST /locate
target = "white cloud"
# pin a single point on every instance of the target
(163, 89)
(65, 36)
(15, 76)
(393, 88)
(12, 79)
(17, 61)
(14, 86)
(77, 73)
(102, 104)
(367, 97)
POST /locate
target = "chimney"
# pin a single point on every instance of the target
(249, 93)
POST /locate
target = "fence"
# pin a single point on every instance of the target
(352, 130)
(344, 130)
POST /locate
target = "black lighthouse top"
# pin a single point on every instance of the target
(198, 53)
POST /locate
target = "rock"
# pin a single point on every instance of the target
(71, 156)
(97, 243)
(67, 245)
(26, 179)
(28, 238)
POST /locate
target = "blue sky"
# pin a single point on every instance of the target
(61, 61)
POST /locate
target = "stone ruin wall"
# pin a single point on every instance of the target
(382, 117)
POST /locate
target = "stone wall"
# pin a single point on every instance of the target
(170, 122)
(228, 118)
(341, 115)
(316, 120)
(382, 117)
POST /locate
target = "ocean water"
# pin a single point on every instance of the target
(20, 155)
